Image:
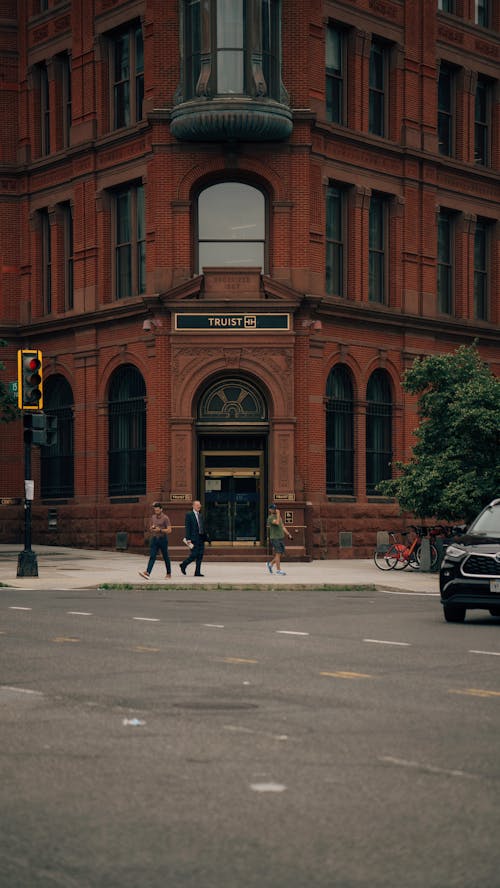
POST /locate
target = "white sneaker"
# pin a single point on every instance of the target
(281, 573)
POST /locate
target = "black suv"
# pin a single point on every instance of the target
(469, 576)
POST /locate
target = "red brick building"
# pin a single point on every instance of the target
(230, 226)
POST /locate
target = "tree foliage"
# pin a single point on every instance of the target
(8, 404)
(455, 467)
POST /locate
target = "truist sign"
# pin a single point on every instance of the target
(232, 322)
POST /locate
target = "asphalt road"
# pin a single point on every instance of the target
(222, 739)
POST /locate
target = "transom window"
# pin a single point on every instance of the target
(231, 226)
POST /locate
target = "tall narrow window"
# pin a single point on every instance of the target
(130, 241)
(377, 247)
(481, 264)
(335, 74)
(231, 226)
(378, 88)
(378, 430)
(445, 263)
(44, 109)
(482, 13)
(482, 108)
(339, 432)
(445, 109)
(230, 55)
(46, 263)
(127, 432)
(57, 461)
(127, 75)
(66, 108)
(193, 46)
(68, 256)
(335, 213)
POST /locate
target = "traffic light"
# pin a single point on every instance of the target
(29, 379)
(41, 429)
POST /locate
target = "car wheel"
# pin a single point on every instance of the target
(454, 613)
(495, 611)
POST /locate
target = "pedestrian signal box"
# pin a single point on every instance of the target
(29, 379)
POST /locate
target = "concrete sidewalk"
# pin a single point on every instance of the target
(66, 568)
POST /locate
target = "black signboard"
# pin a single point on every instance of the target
(245, 322)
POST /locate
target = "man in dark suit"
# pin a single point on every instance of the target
(195, 536)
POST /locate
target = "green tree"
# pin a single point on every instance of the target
(8, 404)
(455, 467)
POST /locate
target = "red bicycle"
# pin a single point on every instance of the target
(398, 555)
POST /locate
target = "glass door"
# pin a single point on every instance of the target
(232, 506)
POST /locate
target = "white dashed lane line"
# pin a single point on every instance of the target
(79, 613)
(14, 607)
(147, 619)
(214, 625)
(289, 632)
(487, 653)
(424, 594)
(381, 641)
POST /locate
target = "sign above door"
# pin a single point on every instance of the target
(233, 322)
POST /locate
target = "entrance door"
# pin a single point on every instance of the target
(232, 507)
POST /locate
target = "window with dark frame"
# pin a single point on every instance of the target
(127, 432)
(445, 262)
(68, 256)
(127, 75)
(232, 226)
(335, 234)
(46, 261)
(335, 67)
(339, 432)
(378, 88)
(446, 5)
(481, 269)
(446, 100)
(377, 248)
(378, 430)
(44, 109)
(57, 461)
(482, 116)
(130, 241)
(66, 99)
(482, 13)
(243, 38)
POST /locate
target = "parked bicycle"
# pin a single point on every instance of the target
(398, 555)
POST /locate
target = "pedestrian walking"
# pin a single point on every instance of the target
(159, 528)
(277, 532)
(195, 537)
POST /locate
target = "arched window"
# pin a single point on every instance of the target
(339, 432)
(378, 430)
(232, 400)
(127, 432)
(57, 461)
(231, 226)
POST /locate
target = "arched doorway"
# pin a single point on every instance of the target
(232, 427)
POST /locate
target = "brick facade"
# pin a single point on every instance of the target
(90, 161)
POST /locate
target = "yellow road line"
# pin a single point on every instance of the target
(62, 639)
(346, 675)
(237, 660)
(145, 650)
(476, 692)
